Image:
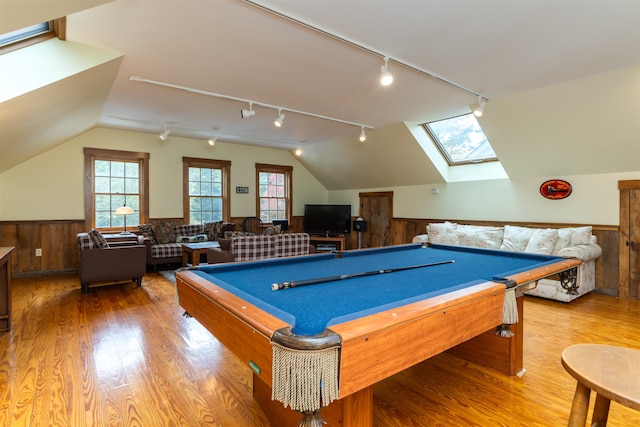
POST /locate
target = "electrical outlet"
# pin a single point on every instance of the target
(39, 252)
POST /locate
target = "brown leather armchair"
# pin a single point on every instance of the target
(109, 263)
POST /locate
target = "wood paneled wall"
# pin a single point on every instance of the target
(60, 254)
(57, 239)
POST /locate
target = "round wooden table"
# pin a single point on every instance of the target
(610, 371)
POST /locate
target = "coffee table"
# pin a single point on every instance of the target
(195, 250)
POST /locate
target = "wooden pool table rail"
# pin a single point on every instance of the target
(241, 327)
(538, 273)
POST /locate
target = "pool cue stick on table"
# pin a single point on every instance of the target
(307, 282)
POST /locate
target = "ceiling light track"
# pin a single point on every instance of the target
(212, 138)
(250, 102)
(342, 39)
(209, 131)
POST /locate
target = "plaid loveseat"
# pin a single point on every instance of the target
(260, 246)
(164, 241)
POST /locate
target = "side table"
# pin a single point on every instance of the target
(610, 371)
(328, 243)
(5, 288)
(195, 250)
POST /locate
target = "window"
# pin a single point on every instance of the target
(461, 140)
(33, 34)
(274, 192)
(114, 179)
(206, 190)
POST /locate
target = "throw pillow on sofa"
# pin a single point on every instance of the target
(213, 230)
(147, 231)
(581, 236)
(480, 236)
(443, 232)
(163, 232)
(543, 241)
(564, 239)
(98, 239)
(272, 230)
(516, 238)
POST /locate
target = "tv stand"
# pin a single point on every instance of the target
(326, 243)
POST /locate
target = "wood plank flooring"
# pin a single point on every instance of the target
(125, 356)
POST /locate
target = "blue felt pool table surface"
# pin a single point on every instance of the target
(312, 309)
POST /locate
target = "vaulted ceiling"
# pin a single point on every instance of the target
(198, 59)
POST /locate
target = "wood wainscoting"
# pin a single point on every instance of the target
(56, 239)
(60, 254)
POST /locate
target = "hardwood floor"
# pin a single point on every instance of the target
(125, 356)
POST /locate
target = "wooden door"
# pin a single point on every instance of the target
(629, 263)
(377, 209)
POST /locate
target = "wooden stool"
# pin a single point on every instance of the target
(612, 372)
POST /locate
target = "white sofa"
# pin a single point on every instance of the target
(578, 242)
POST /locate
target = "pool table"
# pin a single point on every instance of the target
(374, 313)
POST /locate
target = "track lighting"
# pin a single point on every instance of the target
(280, 119)
(243, 113)
(248, 113)
(164, 135)
(386, 78)
(363, 136)
(478, 109)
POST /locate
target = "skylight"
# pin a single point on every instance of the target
(23, 33)
(33, 34)
(461, 140)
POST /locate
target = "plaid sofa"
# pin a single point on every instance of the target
(260, 246)
(164, 241)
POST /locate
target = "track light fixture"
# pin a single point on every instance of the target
(478, 109)
(386, 78)
(280, 119)
(248, 113)
(363, 136)
(165, 134)
(214, 138)
(243, 113)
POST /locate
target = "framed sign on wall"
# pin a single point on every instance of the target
(555, 189)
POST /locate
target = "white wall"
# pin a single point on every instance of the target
(594, 200)
(50, 186)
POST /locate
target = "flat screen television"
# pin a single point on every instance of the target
(327, 219)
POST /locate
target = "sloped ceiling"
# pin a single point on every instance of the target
(517, 54)
(57, 109)
(52, 91)
(391, 155)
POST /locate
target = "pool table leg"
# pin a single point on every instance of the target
(355, 410)
(502, 354)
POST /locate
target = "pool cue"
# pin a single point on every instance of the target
(307, 282)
